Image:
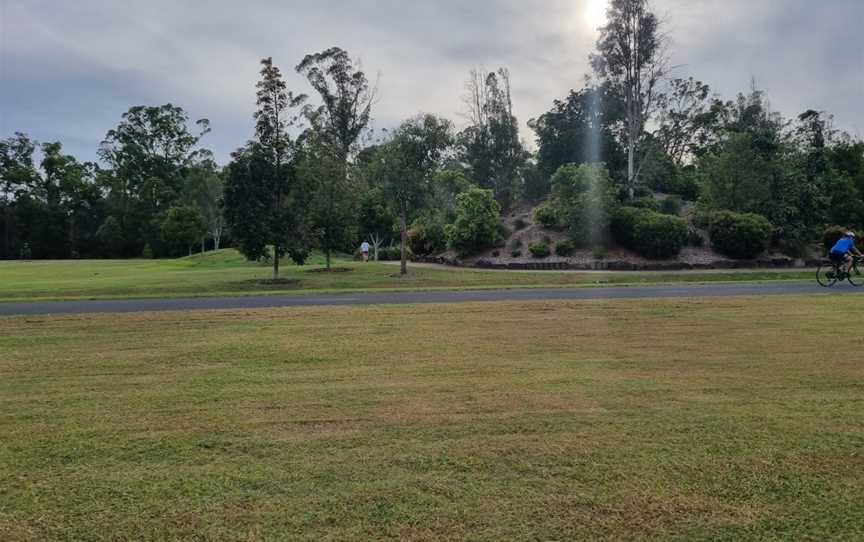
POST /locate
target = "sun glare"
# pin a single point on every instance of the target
(595, 13)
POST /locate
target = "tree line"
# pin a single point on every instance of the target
(315, 176)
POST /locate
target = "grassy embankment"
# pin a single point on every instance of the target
(227, 273)
(721, 419)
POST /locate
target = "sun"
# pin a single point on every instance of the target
(595, 13)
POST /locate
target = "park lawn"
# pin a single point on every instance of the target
(225, 272)
(711, 419)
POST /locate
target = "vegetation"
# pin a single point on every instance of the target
(648, 232)
(476, 225)
(476, 422)
(742, 236)
(318, 177)
(539, 249)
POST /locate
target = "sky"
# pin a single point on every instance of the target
(69, 69)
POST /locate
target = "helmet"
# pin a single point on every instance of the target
(850, 234)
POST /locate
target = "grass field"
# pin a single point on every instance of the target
(227, 273)
(721, 419)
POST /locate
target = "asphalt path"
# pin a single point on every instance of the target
(434, 296)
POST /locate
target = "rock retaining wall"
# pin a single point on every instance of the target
(620, 265)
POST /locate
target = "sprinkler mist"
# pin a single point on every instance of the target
(596, 177)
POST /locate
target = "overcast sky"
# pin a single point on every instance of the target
(69, 69)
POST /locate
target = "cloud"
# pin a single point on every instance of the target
(68, 70)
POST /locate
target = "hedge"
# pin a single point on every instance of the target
(649, 233)
(739, 236)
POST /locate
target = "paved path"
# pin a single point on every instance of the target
(439, 296)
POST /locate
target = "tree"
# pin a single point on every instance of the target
(149, 154)
(342, 118)
(688, 119)
(584, 200)
(490, 145)
(182, 226)
(205, 185)
(264, 202)
(631, 55)
(476, 224)
(407, 163)
(581, 128)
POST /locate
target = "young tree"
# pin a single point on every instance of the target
(631, 55)
(341, 119)
(263, 200)
(406, 164)
(688, 119)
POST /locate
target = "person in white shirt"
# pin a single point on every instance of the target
(364, 251)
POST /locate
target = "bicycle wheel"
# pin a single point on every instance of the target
(826, 276)
(855, 278)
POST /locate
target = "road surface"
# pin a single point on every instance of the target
(435, 296)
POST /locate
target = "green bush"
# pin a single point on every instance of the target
(539, 250)
(739, 236)
(646, 202)
(517, 253)
(427, 235)
(547, 216)
(584, 198)
(517, 243)
(519, 224)
(649, 233)
(695, 239)
(392, 253)
(671, 206)
(565, 248)
(477, 226)
(660, 236)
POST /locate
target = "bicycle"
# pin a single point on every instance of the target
(831, 273)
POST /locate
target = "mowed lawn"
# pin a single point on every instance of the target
(720, 419)
(226, 272)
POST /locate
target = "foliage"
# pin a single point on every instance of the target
(539, 249)
(671, 206)
(580, 128)
(490, 145)
(428, 234)
(182, 226)
(565, 248)
(546, 215)
(519, 224)
(264, 202)
(476, 225)
(583, 197)
(740, 236)
(649, 233)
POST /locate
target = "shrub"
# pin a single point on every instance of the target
(539, 250)
(565, 248)
(660, 236)
(546, 216)
(392, 253)
(476, 226)
(600, 252)
(649, 233)
(646, 202)
(519, 224)
(584, 198)
(517, 243)
(427, 235)
(516, 253)
(831, 236)
(739, 236)
(671, 206)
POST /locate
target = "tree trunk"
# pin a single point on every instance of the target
(403, 269)
(203, 246)
(276, 262)
(327, 257)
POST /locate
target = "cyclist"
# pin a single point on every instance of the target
(841, 254)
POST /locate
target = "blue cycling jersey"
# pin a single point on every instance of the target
(843, 246)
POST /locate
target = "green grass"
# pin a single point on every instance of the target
(227, 273)
(722, 419)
